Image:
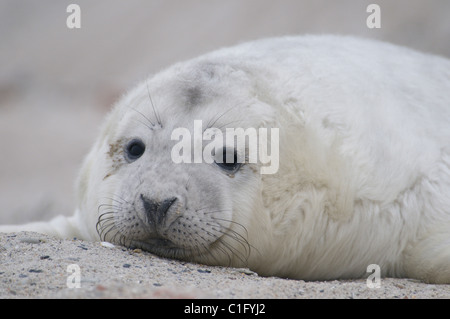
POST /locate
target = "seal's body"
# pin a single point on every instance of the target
(364, 163)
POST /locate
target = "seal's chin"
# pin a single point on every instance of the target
(157, 243)
(164, 248)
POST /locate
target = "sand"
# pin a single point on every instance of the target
(39, 266)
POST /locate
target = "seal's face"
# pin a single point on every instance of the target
(179, 210)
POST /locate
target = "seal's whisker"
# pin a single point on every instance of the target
(196, 247)
(208, 253)
(145, 118)
(201, 248)
(117, 233)
(143, 123)
(107, 206)
(214, 121)
(115, 201)
(226, 251)
(238, 238)
(103, 224)
(230, 233)
(117, 198)
(106, 214)
(105, 221)
(155, 112)
(243, 257)
(232, 222)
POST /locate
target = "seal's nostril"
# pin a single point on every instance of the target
(165, 205)
(156, 211)
(150, 207)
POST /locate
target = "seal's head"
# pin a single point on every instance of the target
(144, 198)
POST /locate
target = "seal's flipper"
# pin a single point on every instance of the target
(60, 226)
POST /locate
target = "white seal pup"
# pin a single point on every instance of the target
(364, 163)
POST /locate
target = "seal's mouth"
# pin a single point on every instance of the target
(154, 244)
(164, 248)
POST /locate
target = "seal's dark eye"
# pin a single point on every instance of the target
(135, 149)
(231, 165)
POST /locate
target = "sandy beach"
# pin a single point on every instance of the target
(38, 266)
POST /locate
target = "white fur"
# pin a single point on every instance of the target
(364, 173)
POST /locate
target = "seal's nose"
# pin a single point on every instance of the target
(157, 211)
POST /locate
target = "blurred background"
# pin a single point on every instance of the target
(56, 83)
